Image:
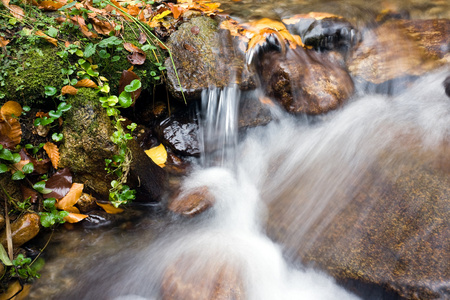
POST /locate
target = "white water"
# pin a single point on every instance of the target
(309, 163)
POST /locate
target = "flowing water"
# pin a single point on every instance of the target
(311, 163)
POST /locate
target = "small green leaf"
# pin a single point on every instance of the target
(40, 187)
(26, 108)
(133, 86)
(3, 168)
(6, 154)
(28, 168)
(49, 204)
(115, 58)
(18, 175)
(53, 32)
(57, 136)
(50, 91)
(79, 53)
(16, 158)
(55, 114)
(103, 54)
(68, 5)
(89, 50)
(63, 107)
(125, 99)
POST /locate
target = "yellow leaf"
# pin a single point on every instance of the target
(86, 83)
(73, 210)
(68, 89)
(3, 42)
(10, 109)
(109, 208)
(158, 155)
(53, 153)
(74, 218)
(71, 198)
(47, 38)
(161, 15)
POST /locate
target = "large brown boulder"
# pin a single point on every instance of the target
(391, 227)
(305, 81)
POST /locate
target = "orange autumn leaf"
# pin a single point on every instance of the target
(103, 27)
(133, 10)
(131, 48)
(72, 209)
(17, 11)
(3, 42)
(10, 109)
(86, 83)
(176, 10)
(71, 198)
(53, 153)
(11, 128)
(68, 89)
(50, 5)
(158, 154)
(109, 208)
(74, 218)
(5, 3)
(47, 38)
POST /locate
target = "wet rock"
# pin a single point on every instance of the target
(87, 130)
(191, 203)
(98, 219)
(253, 111)
(23, 229)
(221, 282)
(389, 52)
(447, 86)
(86, 203)
(393, 232)
(305, 81)
(203, 57)
(179, 133)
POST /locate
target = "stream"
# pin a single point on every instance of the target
(277, 190)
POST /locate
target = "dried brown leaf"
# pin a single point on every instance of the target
(60, 184)
(137, 58)
(68, 89)
(86, 83)
(142, 38)
(10, 110)
(47, 38)
(71, 198)
(74, 218)
(28, 193)
(17, 11)
(53, 153)
(103, 27)
(109, 208)
(131, 48)
(4, 42)
(176, 10)
(5, 3)
(11, 129)
(50, 5)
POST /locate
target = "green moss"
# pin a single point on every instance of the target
(37, 68)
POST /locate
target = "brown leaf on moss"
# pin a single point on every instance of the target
(71, 198)
(137, 58)
(109, 208)
(4, 42)
(86, 83)
(59, 184)
(142, 38)
(68, 89)
(17, 12)
(133, 10)
(47, 38)
(11, 129)
(103, 27)
(50, 5)
(78, 20)
(53, 153)
(131, 48)
(10, 110)
(6, 142)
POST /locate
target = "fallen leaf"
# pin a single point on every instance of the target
(4, 42)
(17, 11)
(6, 142)
(127, 77)
(72, 209)
(10, 110)
(11, 128)
(86, 83)
(47, 38)
(142, 38)
(53, 153)
(103, 27)
(158, 155)
(5, 3)
(50, 5)
(71, 198)
(109, 208)
(133, 10)
(74, 218)
(137, 58)
(68, 89)
(59, 184)
(28, 193)
(131, 48)
(19, 166)
(189, 48)
(161, 15)
(176, 10)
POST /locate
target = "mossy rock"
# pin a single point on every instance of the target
(87, 130)
(25, 83)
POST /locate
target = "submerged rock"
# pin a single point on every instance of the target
(305, 81)
(180, 134)
(393, 232)
(392, 51)
(191, 203)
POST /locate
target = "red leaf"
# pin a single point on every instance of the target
(60, 184)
